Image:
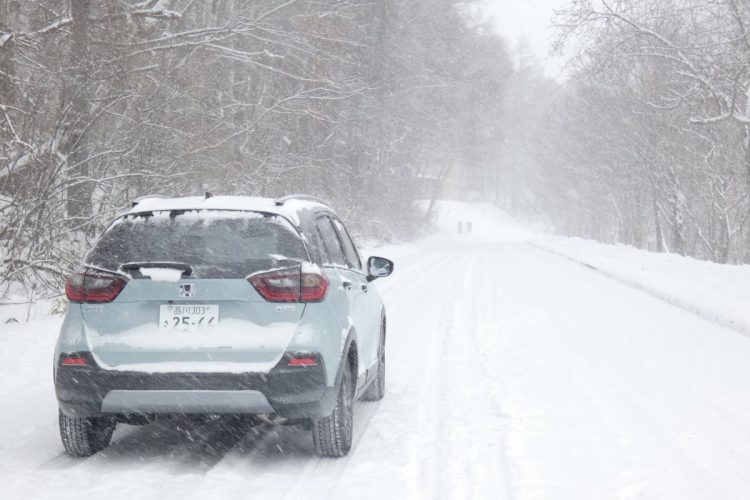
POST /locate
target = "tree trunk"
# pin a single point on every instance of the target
(7, 67)
(659, 234)
(79, 191)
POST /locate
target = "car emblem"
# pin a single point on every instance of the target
(187, 290)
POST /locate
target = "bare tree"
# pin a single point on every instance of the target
(104, 101)
(651, 129)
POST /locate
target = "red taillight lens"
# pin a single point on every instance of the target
(93, 288)
(290, 285)
(74, 359)
(75, 362)
(278, 286)
(314, 287)
(303, 362)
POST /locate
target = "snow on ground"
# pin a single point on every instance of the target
(512, 373)
(719, 291)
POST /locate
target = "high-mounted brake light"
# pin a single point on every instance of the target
(290, 285)
(93, 288)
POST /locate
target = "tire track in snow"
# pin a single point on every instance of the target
(425, 479)
(487, 311)
(474, 444)
(456, 450)
(287, 452)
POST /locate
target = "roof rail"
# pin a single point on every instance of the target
(146, 197)
(305, 197)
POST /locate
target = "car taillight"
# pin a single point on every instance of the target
(303, 362)
(75, 362)
(290, 285)
(75, 359)
(93, 288)
(314, 287)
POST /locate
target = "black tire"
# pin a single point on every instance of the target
(332, 435)
(376, 390)
(82, 437)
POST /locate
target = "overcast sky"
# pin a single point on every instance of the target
(528, 20)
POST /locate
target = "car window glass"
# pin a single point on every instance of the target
(315, 243)
(350, 250)
(216, 244)
(335, 254)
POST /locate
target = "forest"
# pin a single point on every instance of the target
(646, 141)
(358, 101)
(643, 140)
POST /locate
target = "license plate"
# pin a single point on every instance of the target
(188, 316)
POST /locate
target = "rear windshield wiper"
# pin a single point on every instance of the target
(180, 266)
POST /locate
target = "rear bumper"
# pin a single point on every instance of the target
(288, 391)
(167, 401)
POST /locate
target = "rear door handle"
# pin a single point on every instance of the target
(346, 284)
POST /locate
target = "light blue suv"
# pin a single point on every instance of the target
(221, 305)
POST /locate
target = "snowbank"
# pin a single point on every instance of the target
(717, 292)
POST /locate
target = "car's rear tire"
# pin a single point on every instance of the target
(332, 435)
(376, 390)
(82, 437)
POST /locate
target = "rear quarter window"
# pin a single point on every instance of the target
(352, 256)
(334, 254)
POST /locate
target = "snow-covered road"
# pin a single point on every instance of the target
(512, 373)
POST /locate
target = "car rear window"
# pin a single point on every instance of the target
(215, 244)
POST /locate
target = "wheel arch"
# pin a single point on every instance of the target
(349, 355)
(384, 322)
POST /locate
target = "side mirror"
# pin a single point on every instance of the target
(378, 267)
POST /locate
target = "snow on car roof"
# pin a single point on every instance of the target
(289, 209)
